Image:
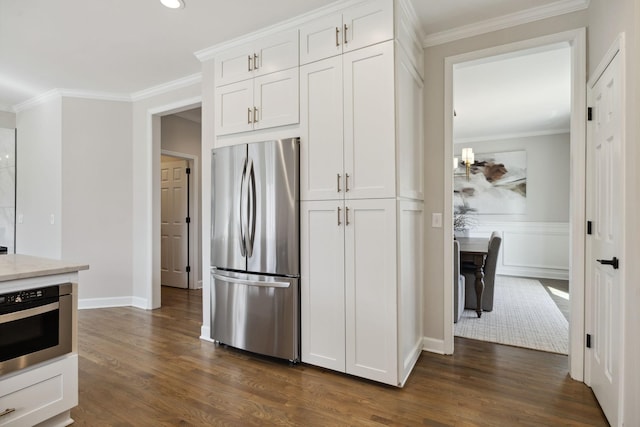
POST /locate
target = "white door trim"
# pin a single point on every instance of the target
(152, 232)
(577, 40)
(192, 162)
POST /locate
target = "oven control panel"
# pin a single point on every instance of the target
(28, 295)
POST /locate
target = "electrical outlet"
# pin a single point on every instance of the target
(436, 220)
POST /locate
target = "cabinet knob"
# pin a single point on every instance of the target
(337, 35)
(346, 182)
(255, 115)
(345, 34)
(249, 116)
(338, 181)
(339, 210)
(249, 63)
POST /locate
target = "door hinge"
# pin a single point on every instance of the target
(188, 269)
(589, 113)
(188, 171)
(188, 220)
(589, 227)
(588, 340)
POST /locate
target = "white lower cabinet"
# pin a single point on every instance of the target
(350, 286)
(40, 394)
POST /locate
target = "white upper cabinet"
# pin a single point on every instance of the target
(266, 55)
(353, 28)
(348, 126)
(369, 122)
(321, 112)
(267, 101)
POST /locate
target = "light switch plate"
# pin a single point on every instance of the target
(436, 220)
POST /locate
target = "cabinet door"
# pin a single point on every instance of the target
(321, 38)
(276, 53)
(321, 176)
(234, 108)
(234, 65)
(367, 24)
(370, 284)
(275, 98)
(322, 284)
(369, 122)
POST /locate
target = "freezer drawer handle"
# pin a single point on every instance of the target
(251, 282)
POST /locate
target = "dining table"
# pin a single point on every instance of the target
(473, 250)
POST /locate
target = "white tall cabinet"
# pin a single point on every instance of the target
(354, 97)
(362, 214)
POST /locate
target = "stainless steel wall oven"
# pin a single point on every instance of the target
(35, 326)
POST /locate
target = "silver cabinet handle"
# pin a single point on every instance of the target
(346, 182)
(339, 211)
(338, 181)
(345, 34)
(250, 63)
(7, 411)
(346, 216)
(337, 35)
(249, 116)
(256, 62)
(255, 115)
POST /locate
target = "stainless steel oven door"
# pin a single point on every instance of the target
(36, 334)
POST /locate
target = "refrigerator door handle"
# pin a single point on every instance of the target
(242, 222)
(251, 198)
(228, 279)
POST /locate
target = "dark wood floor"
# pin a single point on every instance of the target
(148, 368)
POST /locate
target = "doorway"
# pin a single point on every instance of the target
(577, 46)
(513, 113)
(180, 199)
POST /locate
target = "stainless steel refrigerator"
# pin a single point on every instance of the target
(255, 248)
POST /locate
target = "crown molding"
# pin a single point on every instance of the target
(507, 21)
(166, 87)
(210, 52)
(516, 135)
(6, 108)
(100, 96)
(37, 100)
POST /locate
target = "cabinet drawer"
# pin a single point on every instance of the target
(39, 394)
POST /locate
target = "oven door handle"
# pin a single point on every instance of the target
(23, 314)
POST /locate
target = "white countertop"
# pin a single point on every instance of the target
(14, 266)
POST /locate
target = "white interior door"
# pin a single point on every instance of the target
(605, 168)
(174, 248)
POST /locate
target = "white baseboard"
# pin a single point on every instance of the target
(433, 345)
(205, 334)
(541, 273)
(89, 303)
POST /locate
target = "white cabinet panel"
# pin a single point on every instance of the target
(370, 278)
(234, 108)
(267, 55)
(276, 99)
(321, 130)
(356, 27)
(409, 129)
(369, 122)
(41, 393)
(321, 38)
(367, 24)
(264, 102)
(322, 284)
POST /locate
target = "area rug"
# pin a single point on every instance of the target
(524, 315)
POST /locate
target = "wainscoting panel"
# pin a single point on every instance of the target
(530, 249)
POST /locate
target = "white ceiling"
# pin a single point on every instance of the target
(519, 94)
(120, 47)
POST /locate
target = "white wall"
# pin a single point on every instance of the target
(7, 188)
(146, 189)
(7, 120)
(38, 180)
(547, 176)
(435, 161)
(606, 20)
(97, 197)
(185, 136)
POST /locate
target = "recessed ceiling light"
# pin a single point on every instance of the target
(173, 4)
